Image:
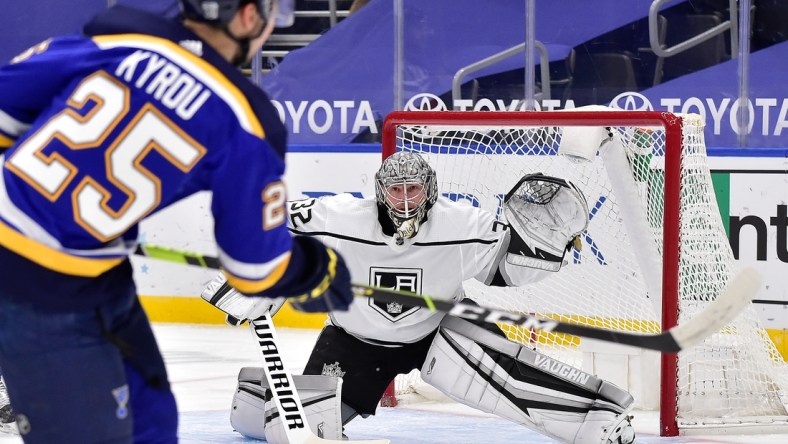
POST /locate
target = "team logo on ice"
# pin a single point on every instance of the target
(332, 370)
(405, 279)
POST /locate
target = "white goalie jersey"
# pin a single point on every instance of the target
(456, 243)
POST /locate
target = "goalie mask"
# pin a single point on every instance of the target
(406, 187)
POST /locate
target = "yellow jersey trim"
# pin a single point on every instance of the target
(6, 142)
(53, 259)
(251, 287)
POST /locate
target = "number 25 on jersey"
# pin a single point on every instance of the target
(149, 129)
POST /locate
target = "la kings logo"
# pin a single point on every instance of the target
(406, 279)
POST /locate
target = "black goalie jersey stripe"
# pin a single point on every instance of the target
(457, 242)
(338, 236)
(369, 242)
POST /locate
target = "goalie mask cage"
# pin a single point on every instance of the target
(654, 253)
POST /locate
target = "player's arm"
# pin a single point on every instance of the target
(545, 217)
(258, 254)
(306, 215)
(32, 79)
(330, 293)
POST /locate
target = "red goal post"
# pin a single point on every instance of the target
(653, 214)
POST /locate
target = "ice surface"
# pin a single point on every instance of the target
(203, 362)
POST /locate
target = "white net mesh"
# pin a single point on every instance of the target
(615, 281)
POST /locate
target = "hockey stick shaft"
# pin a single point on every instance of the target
(732, 300)
(283, 389)
(284, 392)
(719, 312)
(177, 256)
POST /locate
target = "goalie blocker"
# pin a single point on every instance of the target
(238, 307)
(486, 371)
(254, 413)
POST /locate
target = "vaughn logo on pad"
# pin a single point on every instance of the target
(561, 370)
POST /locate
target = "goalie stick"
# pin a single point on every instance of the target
(281, 384)
(732, 300)
(718, 313)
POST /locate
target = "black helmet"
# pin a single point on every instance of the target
(219, 12)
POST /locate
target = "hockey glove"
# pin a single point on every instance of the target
(547, 215)
(331, 293)
(239, 308)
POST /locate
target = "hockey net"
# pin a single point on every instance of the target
(654, 253)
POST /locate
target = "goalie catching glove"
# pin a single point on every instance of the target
(547, 214)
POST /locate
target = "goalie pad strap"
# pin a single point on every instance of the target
(254, 413)
(486, 371)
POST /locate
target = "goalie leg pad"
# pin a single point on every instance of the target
(254, 413)
(486, 371)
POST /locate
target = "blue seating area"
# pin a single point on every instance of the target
(341, 76)
(595, 51)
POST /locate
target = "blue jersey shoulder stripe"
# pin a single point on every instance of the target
(197, 67)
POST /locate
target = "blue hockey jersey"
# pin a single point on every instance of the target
(102, 130)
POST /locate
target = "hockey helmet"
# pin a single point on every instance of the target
(219, 12)
(407, 187)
